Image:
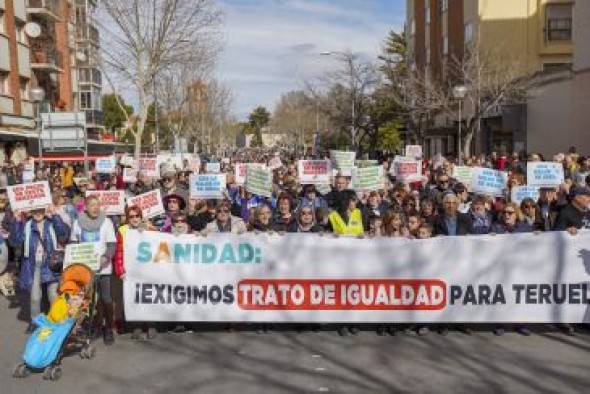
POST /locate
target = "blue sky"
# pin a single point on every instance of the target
(271, 46)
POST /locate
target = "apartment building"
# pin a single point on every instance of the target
(51, 44)
(530, 36)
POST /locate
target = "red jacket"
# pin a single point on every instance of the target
(118, 261)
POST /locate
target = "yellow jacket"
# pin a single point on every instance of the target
(353, 227)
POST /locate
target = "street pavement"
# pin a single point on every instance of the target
(286, 361)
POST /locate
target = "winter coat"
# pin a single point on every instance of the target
(17, 236)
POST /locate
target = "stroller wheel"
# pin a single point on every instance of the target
(54, 373)
(20, 371)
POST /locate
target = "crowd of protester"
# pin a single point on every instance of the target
(438, 205)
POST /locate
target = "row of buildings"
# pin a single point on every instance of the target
(549, 40)
(53, 45)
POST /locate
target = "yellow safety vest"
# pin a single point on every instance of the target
(353, 227)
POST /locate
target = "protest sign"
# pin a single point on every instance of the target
(170, 161)
(366, 163)
(414, 151)
(29, 164)
(259, 181)
(519, 193)
(407, 170)
(544, 174)
(129, 175)
(314, 171)
(106, 165)
(275, 163)
(194, 164)
(150, 203)
(246, 278)
(368, 178)
(342, 159)
(127, 160)
(463, 174)
(29, 196)
(112, 202)
(323, 188)
(213, 168)
(83, 253)
(488, 182)
(207, 185)
(149, 167)
(241, 169)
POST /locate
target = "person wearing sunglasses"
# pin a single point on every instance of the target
(304, 221)
(511, 221)
(530, 214)
(225, 222)
(133, 221)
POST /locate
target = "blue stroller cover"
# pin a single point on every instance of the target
(45, 344)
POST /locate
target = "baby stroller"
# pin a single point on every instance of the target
(64, 329)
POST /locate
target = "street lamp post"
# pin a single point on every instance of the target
(37, 95)
(352, 93)
(459, 93)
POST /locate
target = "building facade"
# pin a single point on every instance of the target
(51, 44)
(529, 36)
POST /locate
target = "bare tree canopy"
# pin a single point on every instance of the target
(145, 38)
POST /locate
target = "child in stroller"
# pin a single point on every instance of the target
(62, 328)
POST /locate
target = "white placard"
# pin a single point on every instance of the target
(106, 165)
(414, 151)
(83, 253)
(314, 171)
(149, 167)
(342, 159)
(213, 168)
(29, 196)
(407, 170)
(489, 182)
(204, 186)
(544, 174)
(150, 203)
(129, 175)
(112, 202)
(519, 193)
(259, 181)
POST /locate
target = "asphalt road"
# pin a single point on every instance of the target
(291, 362)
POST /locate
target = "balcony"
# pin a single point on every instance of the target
(93, 118)
(47, 9)
(87, 32)
(45, 57)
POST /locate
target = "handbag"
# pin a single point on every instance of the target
(55, 260)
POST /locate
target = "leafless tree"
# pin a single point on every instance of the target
(143, 39)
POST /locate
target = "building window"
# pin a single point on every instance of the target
(2, 29)
(558, 26)
(445, 45)
(468, 32)
(24, 89)
(85, 100)
(4, 83)
(21, 36)
(427, 11)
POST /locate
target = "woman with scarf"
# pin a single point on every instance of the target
(93, 225)
(39, 237)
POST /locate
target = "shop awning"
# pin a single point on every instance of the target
(70, 157)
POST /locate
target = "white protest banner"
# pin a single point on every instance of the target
(342, 159)
(275, 163)
(242, 168)
(489, 182)
(407, 170)
(314, 171)
(149, 167)
(126, 160)
(414, 151)
(29, 196)
(463, 174)
(519, 193)
(83, 253)
(213, 168)
(207, 185)
(106, 165)
(112, 202)
(150, 203)
(129, 175)
(368, 178)
(544, 174)
(249, 278)
(259, 181)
